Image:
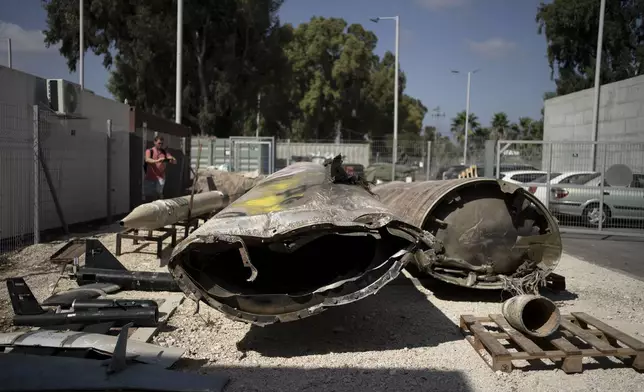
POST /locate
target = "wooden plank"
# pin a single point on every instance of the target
(589, 338)
(610, 331)
(166, 310)
(496, 349)
(528, 345)
(564, 345)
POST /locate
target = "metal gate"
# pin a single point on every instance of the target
(251, 154)
(591, 187)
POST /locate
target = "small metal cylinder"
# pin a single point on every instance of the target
(532, 314)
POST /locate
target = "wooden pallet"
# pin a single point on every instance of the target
(561, 345)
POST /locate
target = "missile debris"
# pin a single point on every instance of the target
(495, 234)
(160, 213)
(27, 311)
(532, 314)
(102, 267)
(305, 238)
(231, 184)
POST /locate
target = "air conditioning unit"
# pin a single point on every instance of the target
(64, 96)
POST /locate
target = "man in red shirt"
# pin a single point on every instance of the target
(156, 159)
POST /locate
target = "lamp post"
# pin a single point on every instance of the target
(598, 67)
(81, 46)
(177, 96)
(467, 111)
(395, 141)
(9, 61)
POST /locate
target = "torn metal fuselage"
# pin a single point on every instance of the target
(494, 233)
(298, 242)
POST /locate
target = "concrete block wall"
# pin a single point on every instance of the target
(621, 122)
(75, 151)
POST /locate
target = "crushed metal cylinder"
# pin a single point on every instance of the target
(495, 234)
(306, 238)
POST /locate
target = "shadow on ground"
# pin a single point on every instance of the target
(290, 379)
(398, 316)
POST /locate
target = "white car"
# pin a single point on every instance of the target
(522, 176)
(555, 178)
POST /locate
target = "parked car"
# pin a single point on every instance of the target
(505, 167)
(619, 202)
(521, 176)
(572, 177)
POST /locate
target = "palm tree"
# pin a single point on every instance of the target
(501, 126)
(458, 125)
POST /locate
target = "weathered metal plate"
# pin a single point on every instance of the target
(480, 220)
(145, 352)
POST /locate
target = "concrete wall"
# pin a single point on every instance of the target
(75, 152)
(98, 110)
(621, 122)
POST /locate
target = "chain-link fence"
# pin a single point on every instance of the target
(16, 176)
(589, 186)
(54, 172)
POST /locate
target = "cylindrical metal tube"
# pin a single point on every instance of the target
(84, 304)
(140, 317)
(532, 314)
(159, 213)
(487, 223)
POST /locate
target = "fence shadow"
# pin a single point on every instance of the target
(398, 317)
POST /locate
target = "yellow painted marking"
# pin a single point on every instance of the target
(269, 199)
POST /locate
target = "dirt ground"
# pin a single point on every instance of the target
(405, 338)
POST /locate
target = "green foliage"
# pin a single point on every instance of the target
(315, 80)
(571, 29)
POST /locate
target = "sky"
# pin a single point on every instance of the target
(498, 37)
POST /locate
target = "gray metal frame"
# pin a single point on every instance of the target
(503, 145)
(267, 141)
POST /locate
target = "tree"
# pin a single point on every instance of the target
(571, 28)
(501, 126)
(230, 49)
(458, 126)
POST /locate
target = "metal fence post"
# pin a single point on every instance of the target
(429, 159)
(211, 155)
(497, 170)
(548, 185)
(36, 168)
(144, 146)
(108, 195)
(601, 187)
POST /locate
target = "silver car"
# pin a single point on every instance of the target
(582, 199)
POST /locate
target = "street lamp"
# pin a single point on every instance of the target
(9, 62)
(178, 87)
(598, 67)
(81, 46)
(395, 141)
(467, 110)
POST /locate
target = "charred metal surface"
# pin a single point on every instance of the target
(491, 230)
(303, 239)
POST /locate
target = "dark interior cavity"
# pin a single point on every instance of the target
(482, 224)
(539, 316)
(319, 262)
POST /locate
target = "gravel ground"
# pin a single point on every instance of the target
(405, 338)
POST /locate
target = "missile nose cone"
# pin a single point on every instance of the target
(142, 217)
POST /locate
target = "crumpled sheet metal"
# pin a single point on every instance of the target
(300, 200)
(144, 352)
(483, 221)
(231, 184)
